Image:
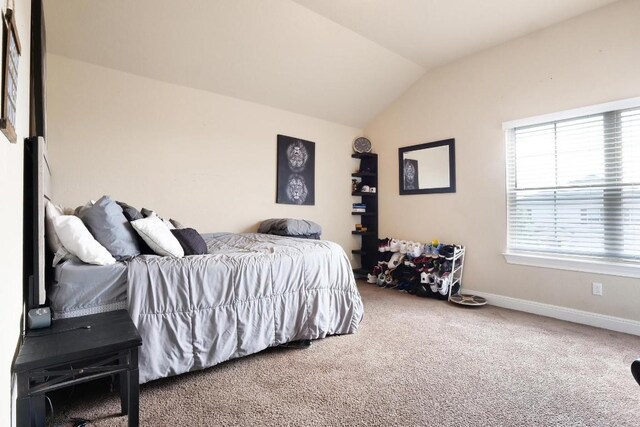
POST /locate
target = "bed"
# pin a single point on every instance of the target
(250, 292)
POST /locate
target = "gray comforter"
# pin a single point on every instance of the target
(251, 291)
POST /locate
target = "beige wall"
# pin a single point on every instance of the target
(206, 160)
(591, 59)
(11, 159)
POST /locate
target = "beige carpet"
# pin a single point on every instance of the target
(413, 362)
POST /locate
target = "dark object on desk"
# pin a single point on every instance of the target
(635, 370)
(39, 318)
(74, 351)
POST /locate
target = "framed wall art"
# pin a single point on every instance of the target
(296, 171)
(10, 61)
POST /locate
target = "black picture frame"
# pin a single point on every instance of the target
(10, 61)
(450, 143)
(295, 171)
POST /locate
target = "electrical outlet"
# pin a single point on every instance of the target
(597, 288)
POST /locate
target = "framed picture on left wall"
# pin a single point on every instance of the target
(10, 60)
(296, 171)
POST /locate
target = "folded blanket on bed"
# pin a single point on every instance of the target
(290, 227)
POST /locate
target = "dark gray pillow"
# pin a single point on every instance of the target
(110, 228)
(146, 212)
(191, 241)
(130, 212)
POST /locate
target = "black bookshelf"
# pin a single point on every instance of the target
(367, 174)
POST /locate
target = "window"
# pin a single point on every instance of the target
(573, 183)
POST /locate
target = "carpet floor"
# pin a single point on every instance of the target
(413, 362)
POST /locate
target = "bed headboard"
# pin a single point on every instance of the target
(37, 189)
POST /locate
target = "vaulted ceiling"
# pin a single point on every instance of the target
(339, 60)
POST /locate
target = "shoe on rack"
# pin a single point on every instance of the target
(427, 250)
(424, 277)
(435, 253)
(403, 246)
(377, 270)
(447, 252)
(432, 280)
(388, 281)
(372, 278)
(394, 245)
(443, 284)
(396, 260)
(416, 251)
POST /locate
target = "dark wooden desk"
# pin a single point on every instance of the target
(74, 351)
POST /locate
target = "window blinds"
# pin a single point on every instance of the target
(573, 186)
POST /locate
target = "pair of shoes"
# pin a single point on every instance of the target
(447, 252)
(383, 245)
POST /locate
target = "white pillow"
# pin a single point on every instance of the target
(75, 238)
(52, 211)
(158, 236)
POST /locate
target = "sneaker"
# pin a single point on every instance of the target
(380, 281)
(372, 278)
(403, 246)
(394, 245)
(395, 261)
(435, 253)
(443, 284)
(416, 251)
(377, 270)
(388, 281)
(424, 277)
(447, 252)
(381, 245)
(427, 249)
(432, 280)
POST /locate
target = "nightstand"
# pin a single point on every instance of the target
(74, 351)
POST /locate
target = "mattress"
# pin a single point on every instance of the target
(79, 289)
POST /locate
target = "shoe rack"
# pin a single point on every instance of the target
(366, 175)
(457, 267)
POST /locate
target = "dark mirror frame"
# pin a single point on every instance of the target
(452, 167)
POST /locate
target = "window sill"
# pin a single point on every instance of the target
(574, 264)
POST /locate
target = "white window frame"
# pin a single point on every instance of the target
(572, 263)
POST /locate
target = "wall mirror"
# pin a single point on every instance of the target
(428, 168)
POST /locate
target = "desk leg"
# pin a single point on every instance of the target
(134, 390)
(23, 407)
(39, 410)
(30, 411)
(124, 384)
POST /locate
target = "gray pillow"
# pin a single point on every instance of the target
(110, 228)
(289, 227)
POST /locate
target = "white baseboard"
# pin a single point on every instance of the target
(612, 323)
